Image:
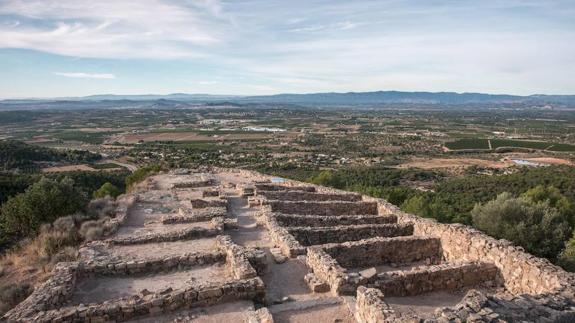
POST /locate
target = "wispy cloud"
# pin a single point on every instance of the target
(86, 75)
(113, 29)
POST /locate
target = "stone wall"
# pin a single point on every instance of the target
(308, 196)
(237, 260)
(326, 269)
(183, 234)
(201, 203)
(197, 215)
(125, 309)
(273, 187)
(124, 205)
(296, 220)
(51, 294)
(280, 236)
(321, 235)
(380, 251)
(370, 308)
(426, 279)
(323, 208)
(521, 272)
(153, 265)
(194, 184)
(210, 193)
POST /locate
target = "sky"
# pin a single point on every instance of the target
(55, 48)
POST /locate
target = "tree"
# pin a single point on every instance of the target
(141, 174)
(416, 204)
(107, 189)
(552, 196)
(43, 202)
(567, 257)
(536, 226)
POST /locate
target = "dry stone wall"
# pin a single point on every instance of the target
(521, 272)
(201, 203)
(426, 279)
(296, 220)
(370, 308)
(324, 208)
(195, 184)
(308, 196)
(125, 309)
(153, 265)
(272, 187)
(197, 215)
(322, 235)
(183, 234)
(379, 251)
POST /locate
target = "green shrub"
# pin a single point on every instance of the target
(567, 257)
(43, 202)
(141, 174)
(108, 189)
(536, 226)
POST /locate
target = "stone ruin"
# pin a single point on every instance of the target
(233, 246)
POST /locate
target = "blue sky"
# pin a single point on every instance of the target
(52, 48)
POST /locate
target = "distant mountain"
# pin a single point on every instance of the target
(152, 97)
(386, 97)
(178, 100)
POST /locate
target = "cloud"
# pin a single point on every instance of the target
(306, 45)
(86, 75)
(113, 29)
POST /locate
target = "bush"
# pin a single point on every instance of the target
(54, 241)
(536, 226)
(66, 254)
(92, 230)
(43, 202)
(102, 207)
(141, 174)
(13, 294)
(567, 257)
(108, 189)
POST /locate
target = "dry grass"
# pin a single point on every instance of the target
(32, 260)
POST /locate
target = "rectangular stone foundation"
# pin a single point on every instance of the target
(295, 220)
(272, 187)
(322, 235)
(308, 196)
(324, 208)
(426, 279)
(380, 251)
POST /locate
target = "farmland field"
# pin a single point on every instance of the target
(498, 143)
(468, 144)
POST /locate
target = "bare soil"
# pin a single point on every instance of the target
(99, 289)
(454, 162)
(68, 168)
(165, 249)
(424, 305)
